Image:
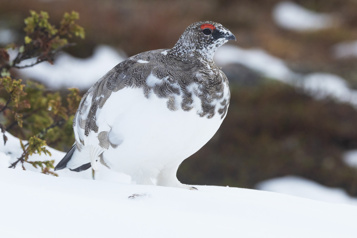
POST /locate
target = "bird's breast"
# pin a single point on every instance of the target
(147, 128)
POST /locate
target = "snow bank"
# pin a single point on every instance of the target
(71, 72)
(305, 188)
(323, 85)
(36, 205)
(350, 158)
(7, 36)
(291, 16)
(345, 50)
(255, 59)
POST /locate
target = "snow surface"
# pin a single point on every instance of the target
(255, 59)
(305, 188)
(36, 205)
(292, 16)
(345, 50)
(71, 72)
(7, 36)
(350, 158)
(74, 205)
(322, 85)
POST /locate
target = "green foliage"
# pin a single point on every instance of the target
(36, 146)
(39, 20)
(29, 110)
(69, 27)
(15, 90)
(43, 40)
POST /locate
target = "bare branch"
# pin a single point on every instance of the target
(30, 65)
(2, 128)
(40, 58)
(21, 159)
(6, 104)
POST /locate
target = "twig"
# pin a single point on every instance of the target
(53, 125)
(14, 123)
(2, 128)
(41, 135)
(6, 104)
(41, 58)
(13, 165)
(30, 65)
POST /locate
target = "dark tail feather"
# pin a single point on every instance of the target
(82, 167)
(63, 163)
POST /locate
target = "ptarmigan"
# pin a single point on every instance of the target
(153, 110)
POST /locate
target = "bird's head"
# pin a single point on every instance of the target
(201, 39)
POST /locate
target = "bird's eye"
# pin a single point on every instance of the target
(207, 31)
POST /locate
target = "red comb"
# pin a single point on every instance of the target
(210, 26)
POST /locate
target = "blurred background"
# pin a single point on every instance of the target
(293, 75)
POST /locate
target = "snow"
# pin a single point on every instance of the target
(291, 16)
(323, 85)
(255, 59)
(305, 188)
(345, 50)
(67, 207)
(7, 36)
(74, 205)
(350, 158)
(71, 72)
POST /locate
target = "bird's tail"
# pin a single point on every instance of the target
(67, 158)
(75, 160)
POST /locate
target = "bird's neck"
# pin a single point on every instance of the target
(188, 52)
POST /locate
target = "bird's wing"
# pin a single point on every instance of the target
(131, 73)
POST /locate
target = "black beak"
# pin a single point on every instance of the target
(217, 34)
(231, 37)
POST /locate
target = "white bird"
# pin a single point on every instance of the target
(154, 110)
